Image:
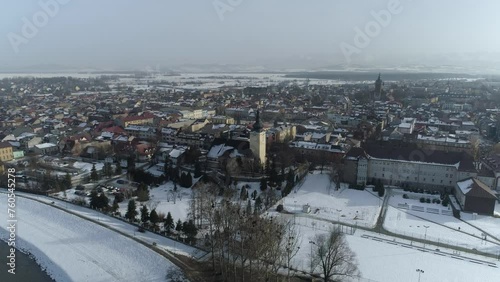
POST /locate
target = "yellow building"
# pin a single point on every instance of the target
(6, 152)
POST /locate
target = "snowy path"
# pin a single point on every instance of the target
(74, 249)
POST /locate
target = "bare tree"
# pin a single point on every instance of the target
(290, 245)
(334, 256)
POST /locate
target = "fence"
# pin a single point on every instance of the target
(425, 209)
(457, 244)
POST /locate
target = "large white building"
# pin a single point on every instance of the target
(407, 165)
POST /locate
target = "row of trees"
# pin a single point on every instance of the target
(154, 220)
(56, 183)
(243, 245)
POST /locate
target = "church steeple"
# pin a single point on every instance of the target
(378, 88)
(378, 84)
(257, 126)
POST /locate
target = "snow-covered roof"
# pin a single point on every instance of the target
(45, 145)
(465, 185)
(175, 153)
(218, 150)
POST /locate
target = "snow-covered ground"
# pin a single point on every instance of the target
(388, 262)
(165, 200)
(434, 227)
(489, 224)
(345, 205)
(73, 249)
(88, 166)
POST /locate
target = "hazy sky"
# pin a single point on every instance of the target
(134, 34)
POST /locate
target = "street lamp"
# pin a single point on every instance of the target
(420, 271)
(425, 235)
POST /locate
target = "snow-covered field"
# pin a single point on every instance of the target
(74, 249)
(487, 223)
(345, 205)
(387, 262)
(435, 227)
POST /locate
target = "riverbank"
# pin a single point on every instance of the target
(27, 268)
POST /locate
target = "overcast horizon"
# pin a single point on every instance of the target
(275, 34)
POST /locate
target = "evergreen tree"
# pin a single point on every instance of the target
(377, 186)
(56, 184)
(254, 194)
(258, 205)
(190, 230)
(290, 177)
(186, 180)
(94, 199)
(189, 180)
(153, 217)
(130, 166)
(108, 170)
(115, 206)
(93, 174)
(197, 169)
(267, 167)
(243, 193)
(47, 182)
(249, 207)
(118, 169)
(263, 184)
(142, 193)
(381, 190)
(144, 214)
(67, 181)
(131, 211)
(178, 226)
(103, 202)
(273, 174)
(169, 222)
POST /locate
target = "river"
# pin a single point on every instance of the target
(26, 268)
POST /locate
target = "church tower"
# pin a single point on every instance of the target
(258, 140)
(377, 94)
